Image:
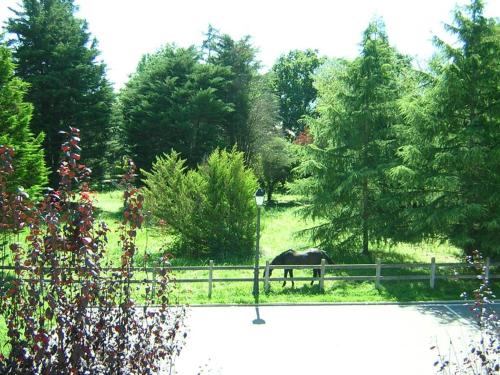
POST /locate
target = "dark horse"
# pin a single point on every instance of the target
(311, 256)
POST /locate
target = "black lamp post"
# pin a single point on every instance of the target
(259, 200)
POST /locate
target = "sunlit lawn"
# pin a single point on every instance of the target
(280, 226)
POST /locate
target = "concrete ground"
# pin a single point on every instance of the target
(322, 339)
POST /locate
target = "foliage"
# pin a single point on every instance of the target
(185, 104)
(238, 57)
(450, 153)
(353, 147)
(269, 153)
(264, 119)
(211, 209)
(54, 53)
(63, 314)
(293, 84)
(275, 162)
(15, 133)
(116, 145)
(175, 102)
(482, 354)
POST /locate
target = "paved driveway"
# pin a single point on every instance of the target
(333, 339)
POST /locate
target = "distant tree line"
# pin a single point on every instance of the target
(383, 151)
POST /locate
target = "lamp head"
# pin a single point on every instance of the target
(259, 196)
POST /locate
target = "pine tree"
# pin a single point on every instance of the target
(239, 58)
(354, 146)
(55, 54)
(175, 102)
(451, 155)
(15, 115)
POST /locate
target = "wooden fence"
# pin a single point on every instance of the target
(431, 273)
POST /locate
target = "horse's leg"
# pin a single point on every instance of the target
(315, 274)
(284, 276)
(291, 276)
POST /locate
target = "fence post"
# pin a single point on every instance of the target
(378, 271)
(433, 273)
(210, 277)
(487, 270)
(266, 277)
(322, 276)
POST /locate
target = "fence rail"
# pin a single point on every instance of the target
(432, 268)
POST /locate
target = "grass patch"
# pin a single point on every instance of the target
(280, 228)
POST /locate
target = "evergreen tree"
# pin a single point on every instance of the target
(54, 53)
(239, 58)
(15, 115)
(451, 152)
(211, 209)
(354, 146)
(293, 84)
(175, 102)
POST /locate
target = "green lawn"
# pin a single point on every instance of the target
(280, 228)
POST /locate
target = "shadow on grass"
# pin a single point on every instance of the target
(304, 289)
(156, 258)
(371, 258)
(282, 205)
(115, 216)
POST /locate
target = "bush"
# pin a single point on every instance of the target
(64, 314)
(211, 209)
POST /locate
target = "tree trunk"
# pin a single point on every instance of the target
(364, 216)
(364, 188)
(270, 189)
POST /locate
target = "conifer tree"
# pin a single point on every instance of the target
(55, 54)
(451, 152)
(354, 146)
(15, 114)
(239, 58)
(175, 102)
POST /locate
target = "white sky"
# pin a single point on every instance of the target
(126, 29)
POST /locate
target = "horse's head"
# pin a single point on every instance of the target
(280, 259)
(270, 272)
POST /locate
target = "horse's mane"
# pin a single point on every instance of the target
(278, 258)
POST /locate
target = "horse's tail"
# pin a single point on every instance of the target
(327, 257)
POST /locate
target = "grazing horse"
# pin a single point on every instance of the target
(311, 256)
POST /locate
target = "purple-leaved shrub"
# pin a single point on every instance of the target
(64, 314)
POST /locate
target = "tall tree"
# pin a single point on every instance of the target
(239, 58)
(263, 116)
(270, 153)
(451, 152)
(175, 102)
(293, 83)
(55, 54)
(15, 114)
(354, 145)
